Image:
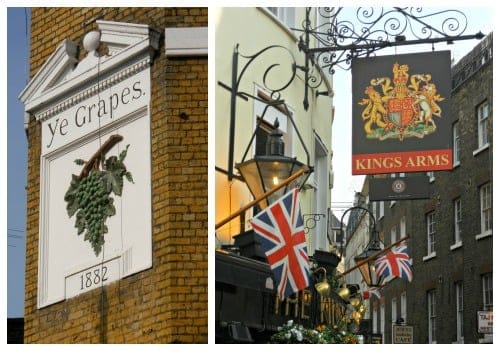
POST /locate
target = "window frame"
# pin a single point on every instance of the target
(482, 125)
(486, 214)
(487, 291)
(430, 235)
(286, 15)
(267, 121)
(403, 307)
(382, 322)
(456, 145)
(394, 310)
(394, 234)
(459, 304)
(432, 316)
(457, 222)
(402, 227)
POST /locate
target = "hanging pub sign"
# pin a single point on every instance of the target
(401, 118)
(401, 188)
(95, 160)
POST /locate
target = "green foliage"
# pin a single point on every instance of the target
(90, 198)
(292, 333)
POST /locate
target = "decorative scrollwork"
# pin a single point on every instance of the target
(342, 34)
(310, 220)
(275, 77)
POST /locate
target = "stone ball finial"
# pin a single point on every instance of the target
(91, 40)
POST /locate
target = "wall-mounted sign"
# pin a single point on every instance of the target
(402, 334)
(485, 322)
(401, 188)
(80, 109)
(401, 120)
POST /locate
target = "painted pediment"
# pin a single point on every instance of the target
(53, 87)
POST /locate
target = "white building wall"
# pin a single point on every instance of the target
(254, 29)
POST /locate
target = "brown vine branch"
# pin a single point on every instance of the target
(93, 162)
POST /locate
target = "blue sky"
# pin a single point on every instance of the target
(17, 72)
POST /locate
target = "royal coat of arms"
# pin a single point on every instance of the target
(401, 108)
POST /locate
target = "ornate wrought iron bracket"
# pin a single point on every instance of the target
(274, 86)
(310, 220)
(338, 37)
(373, 223)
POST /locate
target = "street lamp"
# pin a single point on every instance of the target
(264, 172)
(365, 261)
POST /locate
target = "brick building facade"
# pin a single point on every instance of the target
(451, 234)
(166, 303)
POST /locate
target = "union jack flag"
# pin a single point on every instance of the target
(395, 263)
(281, 233)
(371, 292)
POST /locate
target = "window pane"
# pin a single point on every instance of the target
(402, 225)
(394, 310)
(456, 144)
(482, 124)
(431, 304)
(382, 322)
(486, 208)
(460, 310)
(458, 220)
(431, 232)
(403, 307)
(488, 292)
(393, 234)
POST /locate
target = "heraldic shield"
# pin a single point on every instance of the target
(401, 112)
(402, 107)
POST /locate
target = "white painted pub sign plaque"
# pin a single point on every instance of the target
(80, 105)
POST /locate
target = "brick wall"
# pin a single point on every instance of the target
(167, 303)
(474, 257)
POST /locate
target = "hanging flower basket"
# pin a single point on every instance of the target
(89, 195)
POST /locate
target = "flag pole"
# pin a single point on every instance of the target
(264, 196)
(378, 253)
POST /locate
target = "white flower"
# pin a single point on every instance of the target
(279, 328)
(299, 336)
(288, 335)
(289, 323)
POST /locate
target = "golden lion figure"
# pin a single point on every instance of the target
(374, 111)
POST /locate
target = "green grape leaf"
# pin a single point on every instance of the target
(75, 181)
(123, 154)
(72, 207)
(113, 182)
(80, 222)
(73, 188)
(128, 175)
(110, 210)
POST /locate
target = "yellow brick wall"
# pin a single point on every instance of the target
(169, 302)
